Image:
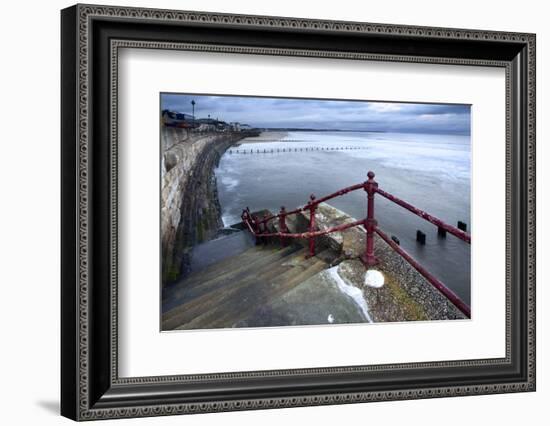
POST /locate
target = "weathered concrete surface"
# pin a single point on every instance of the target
(190, 210)
(405, 296)
(228, 293)
(316, 301)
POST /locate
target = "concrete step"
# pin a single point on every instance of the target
(214, 251)
(224, 277)
(230, 263)
(209, 302)
(233, 307)
(253, 257)
(225, 272)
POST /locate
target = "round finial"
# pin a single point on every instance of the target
(370, 175)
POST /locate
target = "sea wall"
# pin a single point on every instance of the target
(190, 210)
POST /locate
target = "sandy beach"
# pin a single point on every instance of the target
(265, 137)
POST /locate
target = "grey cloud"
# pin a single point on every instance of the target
(326, 114)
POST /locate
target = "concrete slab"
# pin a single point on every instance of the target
(316, 301)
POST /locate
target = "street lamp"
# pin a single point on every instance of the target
(193, 104)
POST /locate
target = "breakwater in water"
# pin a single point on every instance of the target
(190, 210)
(244, 150)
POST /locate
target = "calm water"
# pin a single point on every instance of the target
(431, 172)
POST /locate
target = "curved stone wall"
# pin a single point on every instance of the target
(190, 210)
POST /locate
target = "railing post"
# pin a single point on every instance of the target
(244, 217)
(312, 208)
(370, 186)
(282, 226)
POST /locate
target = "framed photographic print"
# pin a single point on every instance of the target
(263, 212)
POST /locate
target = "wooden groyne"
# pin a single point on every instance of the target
(242, 150)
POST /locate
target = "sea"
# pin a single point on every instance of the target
(430, 171)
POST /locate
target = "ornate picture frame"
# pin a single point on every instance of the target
(90, 39)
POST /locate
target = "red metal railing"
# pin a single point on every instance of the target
(259, 228)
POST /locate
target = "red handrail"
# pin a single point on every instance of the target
(312, 234)
(426, 216)
(316, 202)
(258, 227)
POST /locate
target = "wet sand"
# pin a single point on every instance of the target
(265, 137)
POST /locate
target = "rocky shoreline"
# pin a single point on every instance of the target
(190, 209)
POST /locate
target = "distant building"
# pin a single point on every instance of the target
(212, 125)
(188, 121)
(177, 119)
(207, 124)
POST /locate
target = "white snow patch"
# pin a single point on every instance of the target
(330, 318)
(374, 278)
(355, 293)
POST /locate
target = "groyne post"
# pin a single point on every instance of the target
(420, 237)
(370, 187)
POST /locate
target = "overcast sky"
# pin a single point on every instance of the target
(322, 114)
